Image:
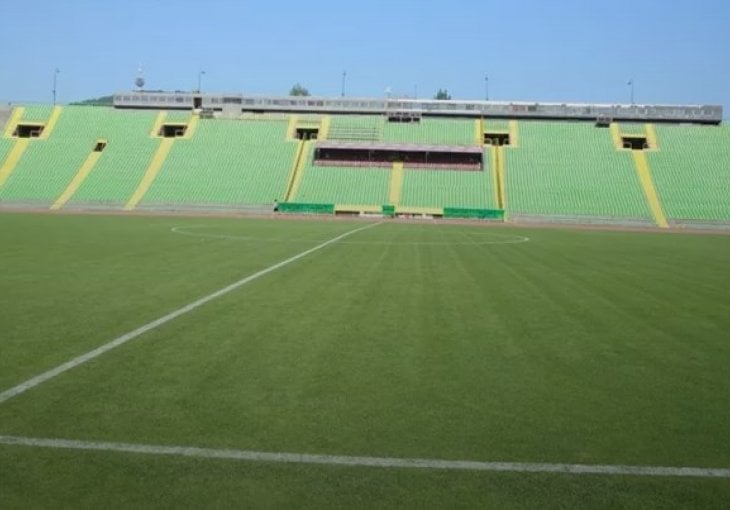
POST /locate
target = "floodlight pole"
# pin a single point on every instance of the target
(631, 84)
(55, 81)
(344, 77)
(486, 87)
(632, 92)
(200, 79)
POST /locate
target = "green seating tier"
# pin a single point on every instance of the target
(632, 128)
(448, 188)
(343, 185)
(48, 166)
(176, 116)
(37, 113)
(557, 169)
(124, 160)
(500, 125)
(226, 162)
(356, 127)
(431, 131)
(691, 172)
(5, 146)
(563, 168)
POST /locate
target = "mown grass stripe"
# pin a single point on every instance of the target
(121, 340)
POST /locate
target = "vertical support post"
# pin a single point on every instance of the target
(55, 82)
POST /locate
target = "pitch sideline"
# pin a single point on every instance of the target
(372, 462)
(121, 340)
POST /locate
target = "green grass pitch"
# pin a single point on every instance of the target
(403, 340)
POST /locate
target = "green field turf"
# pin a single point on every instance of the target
(403, 340)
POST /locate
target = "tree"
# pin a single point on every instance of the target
(97, 101)
(442, 94)
(298, 90)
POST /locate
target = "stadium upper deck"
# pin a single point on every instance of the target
(235, 104)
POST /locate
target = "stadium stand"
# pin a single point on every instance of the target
(226, 162)
(449, 188)
(125, 158)
(103, 157)
(496, 125)
(47, 165)
(431, 131)
(5, 146)
(37, 113)
(632, 128)
(691, 170)
(571, 169)
(177, 116)
(343, 185)
(356, 127)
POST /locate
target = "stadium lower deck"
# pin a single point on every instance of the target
(86, 158)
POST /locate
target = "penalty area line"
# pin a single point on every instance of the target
(372, 462)
(121, 340)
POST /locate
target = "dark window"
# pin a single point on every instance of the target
(635, 143)
(307, 133)
(603, 121)
(496, 138)
(404, 116)
(172, 130)
(28, 130)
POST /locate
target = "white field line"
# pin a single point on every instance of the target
(121, 340)
(374, 462)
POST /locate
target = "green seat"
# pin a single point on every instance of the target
(691, 172)
(571, 169)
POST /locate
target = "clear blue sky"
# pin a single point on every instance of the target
(543, 50)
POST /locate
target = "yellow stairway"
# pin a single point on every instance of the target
(291, 129)
(12, 160)
(152, 170)
(13, 122)
(651, 137)
(616, 136)
(192, 126)
(396, 183)
(158, 159)
(324, 128)
(647, 184)
(297, 172)
(514, 134)
(78, 179)
(51, 123)
(497, 157)
(159, 121)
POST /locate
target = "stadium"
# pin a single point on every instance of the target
(239, 300)
(647, 165)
